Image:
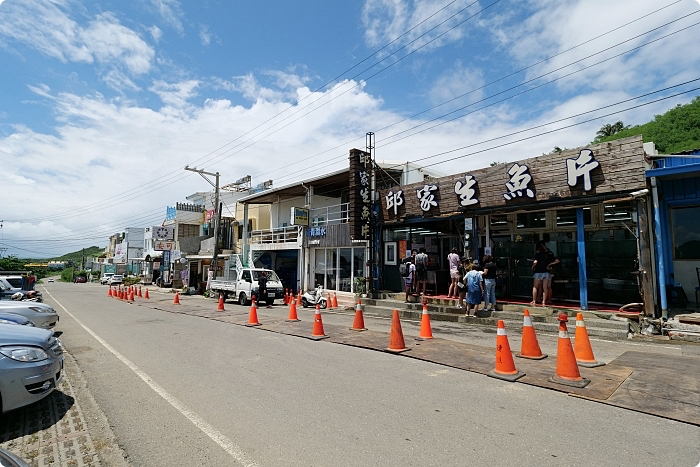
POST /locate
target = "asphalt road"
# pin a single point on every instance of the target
(183, 390)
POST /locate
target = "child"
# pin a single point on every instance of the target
(475, 289)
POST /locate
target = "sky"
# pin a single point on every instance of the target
(102, 104)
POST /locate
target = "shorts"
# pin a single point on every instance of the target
(422, 275)
(541, 276)
(454, 274)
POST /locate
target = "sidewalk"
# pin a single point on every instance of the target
(64, 429)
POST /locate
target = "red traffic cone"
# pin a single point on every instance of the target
(396, 342)
(139, 294)
(335, 300)
(176, 300)
(131, 296)
(329, 301)
(253, 316)
(109, 293)
(505, 366)
(286, 297)
(145, 295)
(318, 332)
(567, 369)
(221, 303)
(359, 323)
(426, 331)
(529, 347)
(292, 310)
(582, 345)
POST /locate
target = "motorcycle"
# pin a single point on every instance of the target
(30, 296)
(311, 299)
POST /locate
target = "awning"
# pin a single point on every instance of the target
(156, 254)
(204, 256)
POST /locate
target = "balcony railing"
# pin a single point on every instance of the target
(280, 235)
(336, 214)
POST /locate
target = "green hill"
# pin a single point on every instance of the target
(76, 256)
(675, 131)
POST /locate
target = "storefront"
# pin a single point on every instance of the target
(588, 205)
(337, 262)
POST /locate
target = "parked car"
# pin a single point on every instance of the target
(80, 279)
(7, 291)
(31, 365)
(40, 314)
(115, 279)
(12, 318)
(106, 277)
(243, 287)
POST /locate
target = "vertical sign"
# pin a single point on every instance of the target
(360, 194)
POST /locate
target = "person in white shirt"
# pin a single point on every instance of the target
(453, 262)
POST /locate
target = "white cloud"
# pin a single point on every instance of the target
(175, 95)
(204, 34)
(171, 12)
(48, 29)
(455, 82)
(156, 33)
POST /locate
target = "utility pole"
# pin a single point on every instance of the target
(217, 217)
(373, 272)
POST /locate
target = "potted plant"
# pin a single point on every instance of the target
(360, 286)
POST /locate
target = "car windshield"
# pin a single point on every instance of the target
(117, 277)
(271, 276)
(15, 281)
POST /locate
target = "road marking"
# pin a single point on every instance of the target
(216, 436)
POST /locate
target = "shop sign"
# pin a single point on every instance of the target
(316, 232)
(360, 193)
(162, 232)
(466, 191)
(581, 167)
(394, 200)
(164, 246)
(209, 215)
(300, 216)
(170, 213)
(426, 198)
(519, 182)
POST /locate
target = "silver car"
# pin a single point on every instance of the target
(40, 314)
(31, 365)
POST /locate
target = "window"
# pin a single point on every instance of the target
(531, 220)
(246, 276)
(617, 213)
(567, 217)
(685, 229)
(499, 222)
(187, 230)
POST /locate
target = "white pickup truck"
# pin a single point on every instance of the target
(243, 287)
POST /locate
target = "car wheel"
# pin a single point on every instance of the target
(242, 299)
(304, 302)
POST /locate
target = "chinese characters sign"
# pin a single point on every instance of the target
(316, 232)
(164, 246)
(519, 182)
(360, 194)
(581, 167)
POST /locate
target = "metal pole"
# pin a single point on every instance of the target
(660, 257)
(217, 223)
(373, 273)
(582, 273)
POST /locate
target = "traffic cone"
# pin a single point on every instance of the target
(286, 297)
(176, 300)
(253, 317)
(582, 345)
(396, 342)
(145, 295)
(335, 300)
(359, 323)
(529, 347)
(293, 310)
(139, 294)
(505, 366)
(329, 301)
(221, 303)
(567, 369)
(131, 296)
(109, 293)
(426, 331)
(317, 332)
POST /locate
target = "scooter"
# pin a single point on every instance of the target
(29, 297)
(311, 299)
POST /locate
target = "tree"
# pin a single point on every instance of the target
(609, 130)
(11, 263)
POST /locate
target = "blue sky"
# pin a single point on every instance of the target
(100, 100)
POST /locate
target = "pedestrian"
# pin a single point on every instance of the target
(453, 263)
(489, 275)
(262, 287)
(475, 289)
(539, 273)
(461, 282)
(410, 279)
(554, 262)
(421, 271)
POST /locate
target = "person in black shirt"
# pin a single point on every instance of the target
(262, 287)
(540, 273)
(489, 275)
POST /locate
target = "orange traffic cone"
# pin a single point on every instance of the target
(329, 301)
(505, 366)
(426, 331)
(109, 293)
(335, 300)
(221, 303)
(292, 310)
(286, 297)
(529, 347)
(139, 294)
(253, 317)
(567, 370)
(582, 345)
(396, 342)
(145, 295)
(131, 296)
(317, 333)
(176, 300)
(359, 323)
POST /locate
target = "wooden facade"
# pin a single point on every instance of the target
(620, 170)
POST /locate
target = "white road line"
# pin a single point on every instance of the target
(225, 443)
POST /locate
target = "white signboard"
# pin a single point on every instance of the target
(175, 255)
(163, 232)
(164, 246)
